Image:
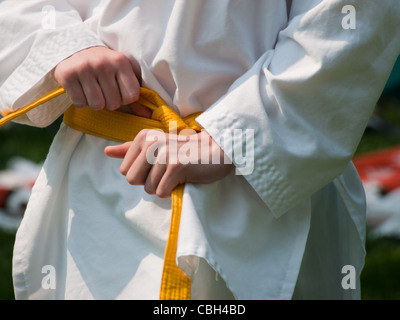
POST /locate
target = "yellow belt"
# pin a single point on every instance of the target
(123, 127)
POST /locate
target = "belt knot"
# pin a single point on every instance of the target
(170, 119)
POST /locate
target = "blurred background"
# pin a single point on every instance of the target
(23, 150)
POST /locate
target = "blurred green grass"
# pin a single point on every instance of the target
(380, 278)
(33, 144)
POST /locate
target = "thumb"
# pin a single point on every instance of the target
(118, 151)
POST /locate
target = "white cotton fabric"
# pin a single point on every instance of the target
(305, 85)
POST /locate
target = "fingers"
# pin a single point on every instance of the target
(172, 177)
(146, 161)
(154, 177)
(117, 151)
(75, 92)
(111, 93)
(99, 77)
(140, 157)
(129, 86)
(93, 92)
(158, 179)
(140, 110)
(130, 157)
(138, 170)
(160, 162)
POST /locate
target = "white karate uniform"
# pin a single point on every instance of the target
(306, 86)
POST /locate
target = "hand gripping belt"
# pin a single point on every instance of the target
(123, 127)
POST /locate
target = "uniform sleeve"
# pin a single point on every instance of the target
(309, 99)
(35, 36)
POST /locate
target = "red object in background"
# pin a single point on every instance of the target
(381, 166)
(3, 196)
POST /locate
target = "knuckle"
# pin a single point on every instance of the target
(175, 168)
(79, 104)
(113, 103)
(131, 97)
(97, 106)
(66, 76)
(82, 67)
(77, 99)
(96, 103)
(120, 58)
(149, 189)
(143, 134)
(132, 180)
(103, 67)
(123, 170)
(163, 194)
